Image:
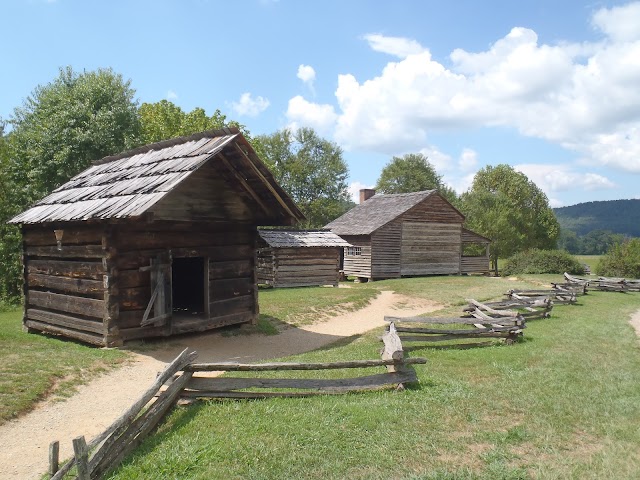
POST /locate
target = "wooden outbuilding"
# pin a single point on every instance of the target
(156, 241)
(299, 258)
(405, 234)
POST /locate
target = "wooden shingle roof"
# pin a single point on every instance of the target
(302, 238)
(376, 212)
(129, 184)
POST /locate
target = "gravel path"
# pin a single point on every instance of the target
(25, 441)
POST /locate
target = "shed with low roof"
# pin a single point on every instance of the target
(156, 241)
(299, 258)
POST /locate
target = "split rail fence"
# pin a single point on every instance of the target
(606, 284)
(184, 379)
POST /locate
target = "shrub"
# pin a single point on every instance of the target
(622, 260)
(542, 261)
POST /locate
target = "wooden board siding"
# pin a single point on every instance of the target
(385, 251)
(228, 252)
(430, 248)
(67, 287)
(433, 209)
(301, 267)
(479, 264)
(358, 265)
(204, 196)
(265, 266)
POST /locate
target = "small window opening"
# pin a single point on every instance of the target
(188, 284)
(354, 251)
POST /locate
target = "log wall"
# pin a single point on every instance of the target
(299, 267)
(98, 285)
(67, 288)
(230, 282)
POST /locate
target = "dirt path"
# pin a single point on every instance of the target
(25, 441)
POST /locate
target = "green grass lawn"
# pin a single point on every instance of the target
(562, 403)
(304, 305)
(35, 366)
(591, 260)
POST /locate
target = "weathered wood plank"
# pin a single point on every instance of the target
(392, 346)
(442, 338)
(90, 270)
(276, 366)
(200, 325)
(452, 320)
(67, 284)
(72, 236)
(67, 251)
(226, 384)
(90, 307)
(65, 321)
(231, 305)
(70, 333)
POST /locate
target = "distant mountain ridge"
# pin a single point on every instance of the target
(617, 216)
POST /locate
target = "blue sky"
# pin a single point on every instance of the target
(549, 87)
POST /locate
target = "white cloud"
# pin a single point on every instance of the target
(354, 190)
(619, 23)
(397, 46)
(171, 95)
(442, 162)
(249, 106)
(307, 74)
(561, 178)
(583, 97)
(302, 113)
(468, 160)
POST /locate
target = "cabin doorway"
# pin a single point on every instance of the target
(188, 287)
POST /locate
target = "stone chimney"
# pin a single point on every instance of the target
(366, 194)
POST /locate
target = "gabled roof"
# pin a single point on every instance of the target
(302, 238)
(129, 184)
(376, 212)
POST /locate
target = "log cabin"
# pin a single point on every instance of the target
(156, 241)
(299, 258)
(406, 234)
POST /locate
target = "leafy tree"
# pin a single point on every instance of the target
(60, 128)
(622, 260)
(9, 234)
(569, 241)
(413, 173)
(599, 242)
(164, 119)
(311, 170)
(507, 207)
(64, 125)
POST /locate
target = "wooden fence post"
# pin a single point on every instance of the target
(81, 453)
(54, 457)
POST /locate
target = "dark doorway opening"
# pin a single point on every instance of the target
(188, 284)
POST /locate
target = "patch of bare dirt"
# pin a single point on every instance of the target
(25, 441)
(635, 322)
